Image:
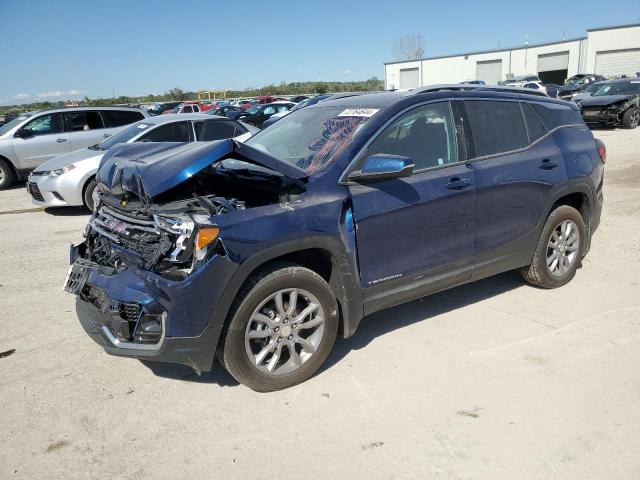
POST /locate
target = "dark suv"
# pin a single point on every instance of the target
(264, 252)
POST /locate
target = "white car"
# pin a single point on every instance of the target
(533, 85)
(35, 137)
(70, 179)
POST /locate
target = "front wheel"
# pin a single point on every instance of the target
(559, 250)
(631, 118)
(87, 195)
(283, 328)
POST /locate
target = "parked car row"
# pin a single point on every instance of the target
(35, 137)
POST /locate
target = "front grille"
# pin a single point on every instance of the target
(591, 113)
(138, 236)
(130, 312)
(35, 191)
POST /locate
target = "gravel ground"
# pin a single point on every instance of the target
(491, 380)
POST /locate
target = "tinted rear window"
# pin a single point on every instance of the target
(497, 127)
(554, 115)
(118, 118)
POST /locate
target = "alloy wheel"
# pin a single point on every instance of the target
(563, 248)
(284, 331)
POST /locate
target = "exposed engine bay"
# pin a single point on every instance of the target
(176, 231)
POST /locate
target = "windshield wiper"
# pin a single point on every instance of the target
(95, 147)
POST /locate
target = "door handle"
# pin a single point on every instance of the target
(457, 183)
(61, 140)
(548, 164)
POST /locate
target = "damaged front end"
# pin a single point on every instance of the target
(139, 269)
(611, 114)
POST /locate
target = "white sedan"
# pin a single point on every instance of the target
(70, 179)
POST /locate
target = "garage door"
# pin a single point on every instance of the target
(490, 71)
(550, 62)
(618, 62)
(409, 78)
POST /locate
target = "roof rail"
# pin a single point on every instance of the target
(476, 88)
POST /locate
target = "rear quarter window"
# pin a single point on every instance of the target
(554, 115)
(118, 118)
(496, 126)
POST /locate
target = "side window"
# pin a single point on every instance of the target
(554, 115)
(425, 134)
(496, 126)
(535, 127)
(118, 118)
(215, 130)
(187, 109)
(196, 108)
(46, 124)
(171, 132)
(531, 85)
(282, 108)
(84, 120)
(268, 110)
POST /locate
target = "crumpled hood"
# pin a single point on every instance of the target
(604, 100)
(149, 169)
(68, 159)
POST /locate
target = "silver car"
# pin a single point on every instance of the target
(70, 179)
(35, 137)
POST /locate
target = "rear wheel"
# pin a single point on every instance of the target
(7, 176)
(631, 118)
(283, 328)
(559, 250)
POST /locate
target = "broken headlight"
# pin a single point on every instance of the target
(193, 235)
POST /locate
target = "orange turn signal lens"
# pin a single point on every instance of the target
(206, 236)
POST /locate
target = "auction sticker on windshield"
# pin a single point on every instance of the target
(358, 112)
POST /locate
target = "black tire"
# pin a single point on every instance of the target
(537, 273)
(231, 348)
(87, 193)
(631, 118)
(7, 176)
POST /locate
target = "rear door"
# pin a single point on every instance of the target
(48, 140)
(517, 162)
(415, 233)
(85, 127)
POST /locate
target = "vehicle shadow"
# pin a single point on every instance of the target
(180, 372)
(67, 211)
(423, 309)
(371, 327)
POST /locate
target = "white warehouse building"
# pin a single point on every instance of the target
(610, 51)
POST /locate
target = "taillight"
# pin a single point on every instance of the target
(602, 150)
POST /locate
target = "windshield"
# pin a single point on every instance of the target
(121, 136)
(8, 126)
(593, 87)
(617, 88)
(312, 138)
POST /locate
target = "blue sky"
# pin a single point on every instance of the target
(67, 48)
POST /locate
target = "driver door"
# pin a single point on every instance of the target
(48, 140)
(415, 234)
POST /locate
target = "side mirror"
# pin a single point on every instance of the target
(24, 133)
(383, 167)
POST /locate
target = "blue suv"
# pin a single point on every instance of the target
(264, 252)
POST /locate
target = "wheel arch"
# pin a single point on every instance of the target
(325, 256)
(13, 168)
(579, 197)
